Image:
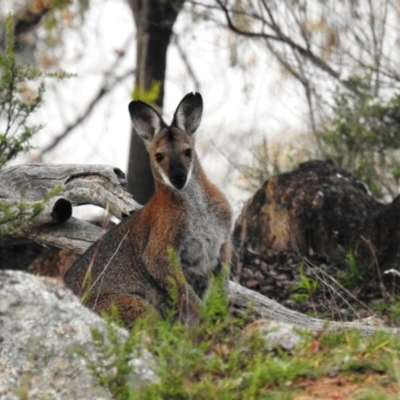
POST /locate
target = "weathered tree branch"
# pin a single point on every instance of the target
(98, 185)
(54, 211)
(262, 307)
(74, 235)
(79, 184)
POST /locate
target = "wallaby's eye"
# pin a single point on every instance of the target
(188, 152)
(159, 157)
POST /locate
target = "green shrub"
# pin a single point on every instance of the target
(363, 136)
(21, 94)
(217, 360)
(17, 100)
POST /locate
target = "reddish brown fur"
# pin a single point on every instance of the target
(147, 235)
(129, 266)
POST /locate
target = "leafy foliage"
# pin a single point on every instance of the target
(16, 215)
(116, 355)
(147, 96)
(218, 360)
(305, 288)
(17, 100)
(364, 136)
(352, 276)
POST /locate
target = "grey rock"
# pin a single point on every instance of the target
(282, 335)
(274, 334)
(42, 325)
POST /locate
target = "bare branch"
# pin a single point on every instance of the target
(109, 82)
(186, 61)
(74, 235)
(281, 37)
(104, 89)
(243, 299)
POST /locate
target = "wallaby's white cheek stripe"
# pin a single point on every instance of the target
(165, 178)
(189, 174)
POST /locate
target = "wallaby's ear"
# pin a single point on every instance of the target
(188, 113)
(145, 119)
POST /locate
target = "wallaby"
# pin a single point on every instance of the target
(129, 266)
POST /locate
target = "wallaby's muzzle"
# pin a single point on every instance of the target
(178, 177)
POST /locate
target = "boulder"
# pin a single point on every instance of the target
(42, 328)
(295, 237)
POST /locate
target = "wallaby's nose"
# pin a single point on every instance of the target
(178, 177)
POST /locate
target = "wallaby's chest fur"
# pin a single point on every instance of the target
(192, 223)
(204, 234)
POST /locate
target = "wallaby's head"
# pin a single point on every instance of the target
(171, 148)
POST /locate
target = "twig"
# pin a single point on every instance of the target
(105, 88)
(187, 63)
(104, 270)
(281, 37)
(392, 271)
(339, 285)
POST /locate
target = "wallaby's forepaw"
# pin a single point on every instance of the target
(130, 308)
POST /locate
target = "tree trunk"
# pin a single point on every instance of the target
(154, 20)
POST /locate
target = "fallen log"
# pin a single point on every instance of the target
(99, 185)
(54, 211)
(74, 235)
(261, 307)
(24, 186)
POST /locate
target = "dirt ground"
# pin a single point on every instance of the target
(345, 387)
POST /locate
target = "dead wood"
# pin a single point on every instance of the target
(98, 185)
(242, 300)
